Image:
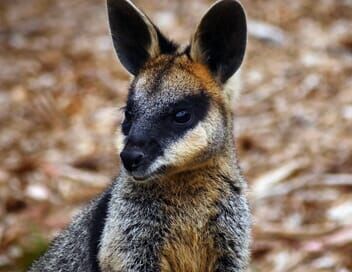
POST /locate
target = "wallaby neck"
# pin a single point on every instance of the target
(218, 169)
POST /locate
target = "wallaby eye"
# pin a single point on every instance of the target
(127, 122)
(182, 116)
(128, 115)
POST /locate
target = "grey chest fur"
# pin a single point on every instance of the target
(134, 230)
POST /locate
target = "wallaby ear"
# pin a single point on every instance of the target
(220, 39)
(135, 38)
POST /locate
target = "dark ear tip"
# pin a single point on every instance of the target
(115, 1)
(118, 4)
(221, 38)
(231, 4)
(235, 2)
(112, 2)
(231, 8)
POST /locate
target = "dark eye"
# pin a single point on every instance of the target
(128, 115)
(182, 116)
(127, 122)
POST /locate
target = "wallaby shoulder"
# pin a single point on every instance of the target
(76, 248)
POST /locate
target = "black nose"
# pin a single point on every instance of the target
(132, 158)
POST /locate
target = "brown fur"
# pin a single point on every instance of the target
(180, 71)
(190, 246)
(192, 199)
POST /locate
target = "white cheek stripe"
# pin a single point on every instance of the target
(184, 150)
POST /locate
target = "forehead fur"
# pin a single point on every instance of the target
(174, 77)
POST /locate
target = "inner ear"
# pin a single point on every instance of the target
(135, 37)
(220, 39)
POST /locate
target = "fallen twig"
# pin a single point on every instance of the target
(307, 181)
(85, 177)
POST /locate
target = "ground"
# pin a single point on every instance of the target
(61, 88)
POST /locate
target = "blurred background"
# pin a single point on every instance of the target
(61, 88)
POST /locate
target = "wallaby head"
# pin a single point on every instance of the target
(177, 116)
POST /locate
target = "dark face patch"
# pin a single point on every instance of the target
(149, 129)
(166, 101)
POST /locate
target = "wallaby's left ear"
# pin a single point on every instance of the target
(220, 39)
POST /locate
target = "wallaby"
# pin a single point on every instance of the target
(179, 201)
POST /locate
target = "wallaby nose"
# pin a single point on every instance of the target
(132, 158)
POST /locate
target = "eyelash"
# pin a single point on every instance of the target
(128, 115)
(170, 113)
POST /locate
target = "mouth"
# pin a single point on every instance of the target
(137, 178)
(147, 175)
(143, 178)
